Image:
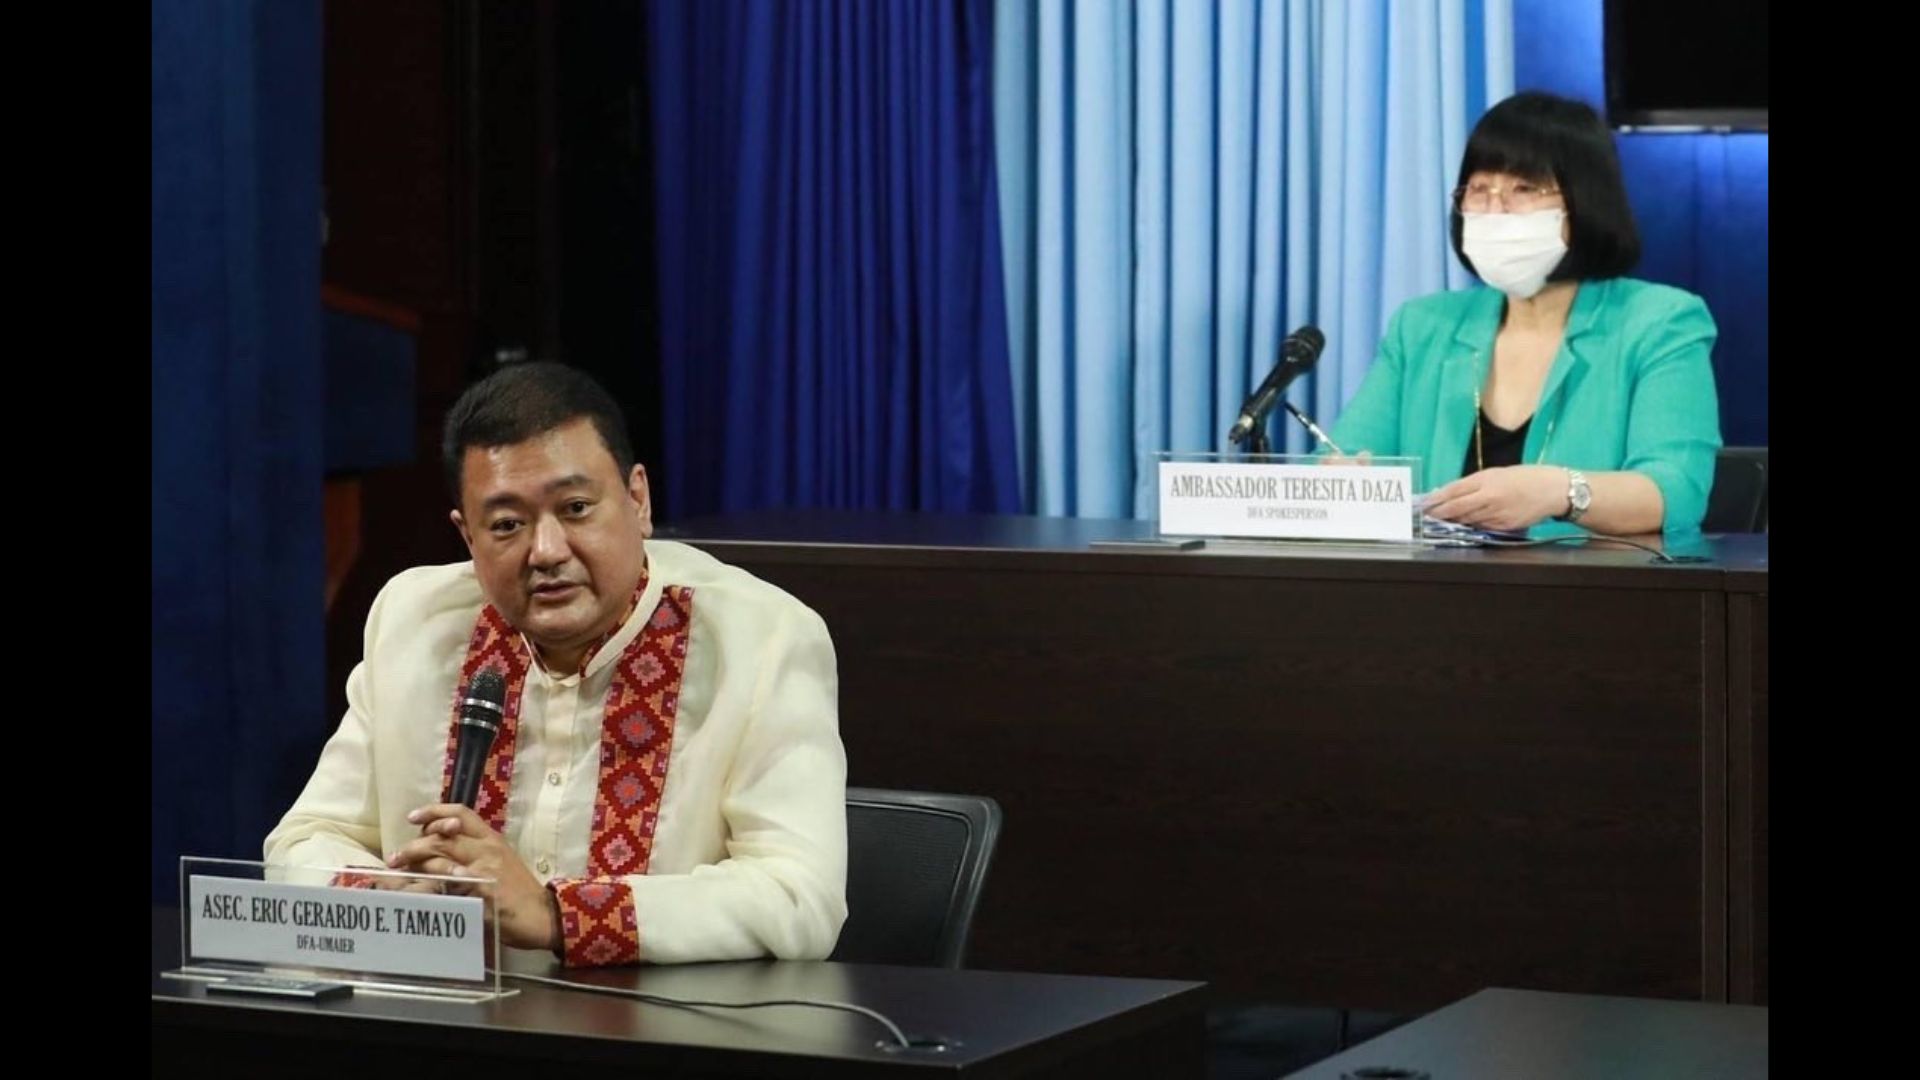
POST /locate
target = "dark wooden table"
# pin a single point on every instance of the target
(1342, 775)
(1527, 1035)
(998, 1024)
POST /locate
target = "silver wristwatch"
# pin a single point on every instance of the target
(1579, 495)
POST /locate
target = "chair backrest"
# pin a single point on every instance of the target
(916, 862)
(1738, 502)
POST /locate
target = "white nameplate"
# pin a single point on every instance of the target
(385, 931)
(1286, 502)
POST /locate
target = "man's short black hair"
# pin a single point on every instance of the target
(1545, 138)
(521, 401)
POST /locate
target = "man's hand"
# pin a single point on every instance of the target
(400, 884)
(455, 842)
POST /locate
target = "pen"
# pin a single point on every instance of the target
(1313, 428)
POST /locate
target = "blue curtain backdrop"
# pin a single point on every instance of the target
(238, 567)
(1186, 181)
(1700, 199)
(832, 329)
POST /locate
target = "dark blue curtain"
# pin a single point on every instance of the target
(238, 562)
(832, 319)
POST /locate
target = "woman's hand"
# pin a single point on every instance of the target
(1506, 499)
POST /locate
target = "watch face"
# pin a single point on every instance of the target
(1582, 496)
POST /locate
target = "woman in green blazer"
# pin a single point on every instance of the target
(1565, 389)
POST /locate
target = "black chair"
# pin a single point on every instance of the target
(916, 862)
(1738, 502)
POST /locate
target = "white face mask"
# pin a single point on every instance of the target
(1514, 252)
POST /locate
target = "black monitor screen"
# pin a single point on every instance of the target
(1687, 63)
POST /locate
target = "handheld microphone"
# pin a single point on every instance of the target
(1298, 354)
(481, 711)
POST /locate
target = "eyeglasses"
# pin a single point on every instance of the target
(1519, 197)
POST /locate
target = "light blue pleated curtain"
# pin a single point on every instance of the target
(1183, 182)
